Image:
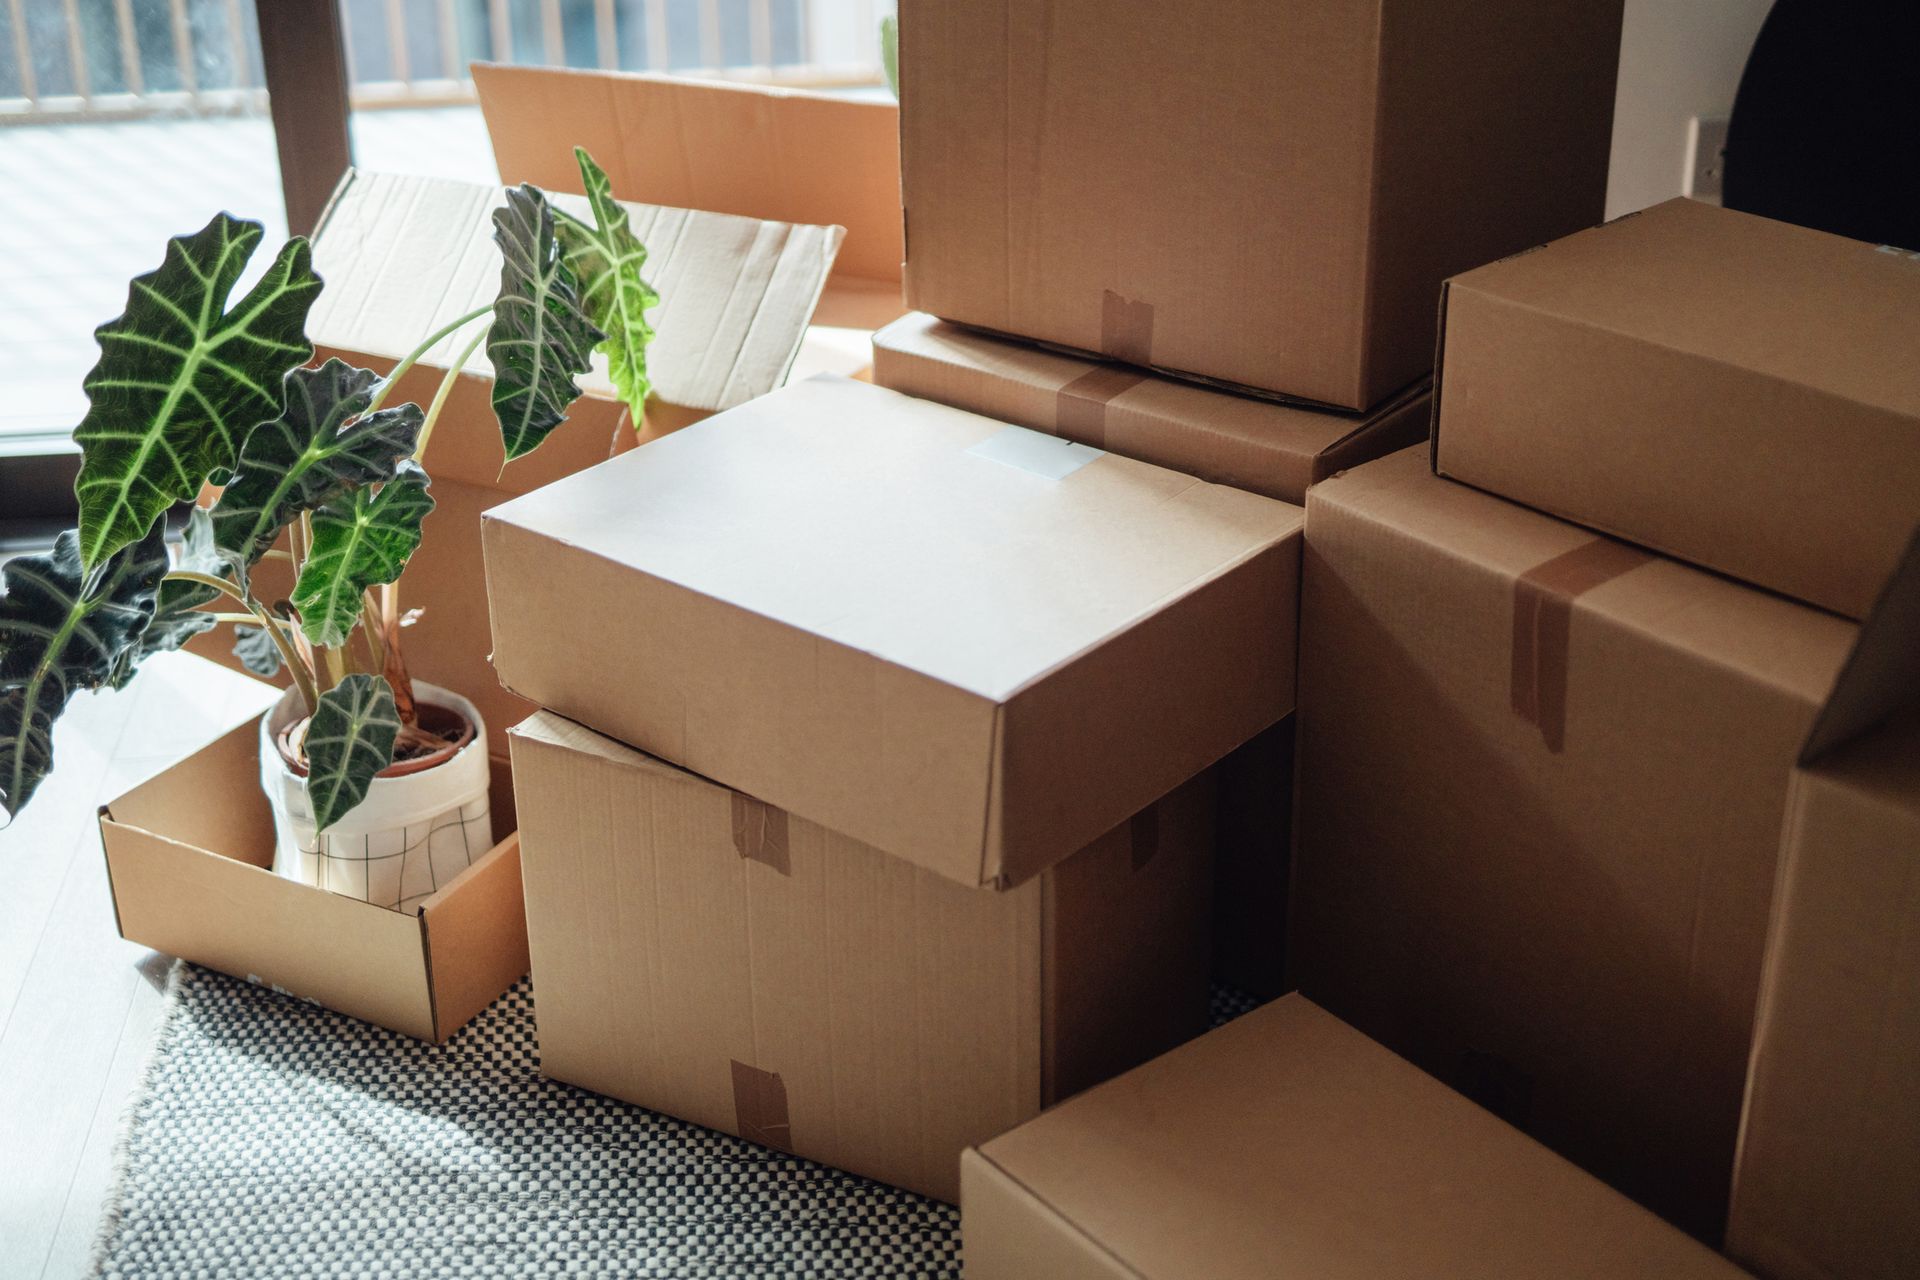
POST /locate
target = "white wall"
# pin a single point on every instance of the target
(1678, 59)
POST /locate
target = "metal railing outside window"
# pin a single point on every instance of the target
(66, 60)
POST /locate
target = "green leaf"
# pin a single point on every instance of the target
(349, 740)
(360, 540)
(890, 52)
(541, 339)
(26, 747)
(181, 378)
(257, 652)
(606, 259)
(64, 628)
(176, 614)
(324, 443)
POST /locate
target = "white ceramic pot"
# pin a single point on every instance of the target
(410, 836)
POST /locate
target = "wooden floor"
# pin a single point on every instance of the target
(79, 1006)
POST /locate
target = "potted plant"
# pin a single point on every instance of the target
(371, 774)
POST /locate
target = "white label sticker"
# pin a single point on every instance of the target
(1037, 452)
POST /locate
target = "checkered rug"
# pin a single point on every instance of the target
(272, 1138)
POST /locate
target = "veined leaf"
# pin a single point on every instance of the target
(176, 614)
(257, 652)
(349, 741)
(541, 339)
(26, 747)
(606, 259)
(64, 628)
(360, 539)
(324, 442)
(182, 378)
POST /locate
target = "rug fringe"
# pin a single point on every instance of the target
(115, 1207)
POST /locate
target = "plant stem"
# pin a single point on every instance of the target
(301, 679)
(445, 389)
(413, 357)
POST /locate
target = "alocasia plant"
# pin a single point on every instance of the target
(194, 388)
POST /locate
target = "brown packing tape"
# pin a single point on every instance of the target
(760, 1107)
(1144, 833)
(1542, 621)
(760, 833)
(1080, 407)
(1126, 328)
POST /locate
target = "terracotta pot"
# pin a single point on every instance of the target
(421, 823)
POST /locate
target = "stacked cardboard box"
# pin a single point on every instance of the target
(1575, 751)
(870, 811)
(1305, 275)
(401, 256)
(1273, 222)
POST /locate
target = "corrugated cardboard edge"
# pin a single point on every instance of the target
(1882, 674)
(1439, 379)
(1030, 1236)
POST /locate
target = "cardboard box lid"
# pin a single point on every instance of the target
(1820, 1190)
(402, 256)
(1800, 306)
(968, 644)
(1264, 446)
(1288, 1143)
(753, 150)
(1735, 391)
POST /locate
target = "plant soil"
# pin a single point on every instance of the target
(440, 733)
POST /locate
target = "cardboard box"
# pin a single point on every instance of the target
(1829, 1168)
(195, 879)
(1270, 196)
(753, 150)
(1539, 785)
(1731, 390)
(1286, 1143)
(971, 645)
(403, 255)
(1262, 446)
(710, 956)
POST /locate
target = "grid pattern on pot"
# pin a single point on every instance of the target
(273, 1138)
(401, 866)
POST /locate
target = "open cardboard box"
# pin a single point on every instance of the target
(194, 879)
(751, 150)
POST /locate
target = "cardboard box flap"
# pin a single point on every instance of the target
(752, 150)
(474, 931)
(1288, 1141)
(929, 592)
(1882, 675)
(1799, 306)
(402, 256)
(174, 802)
